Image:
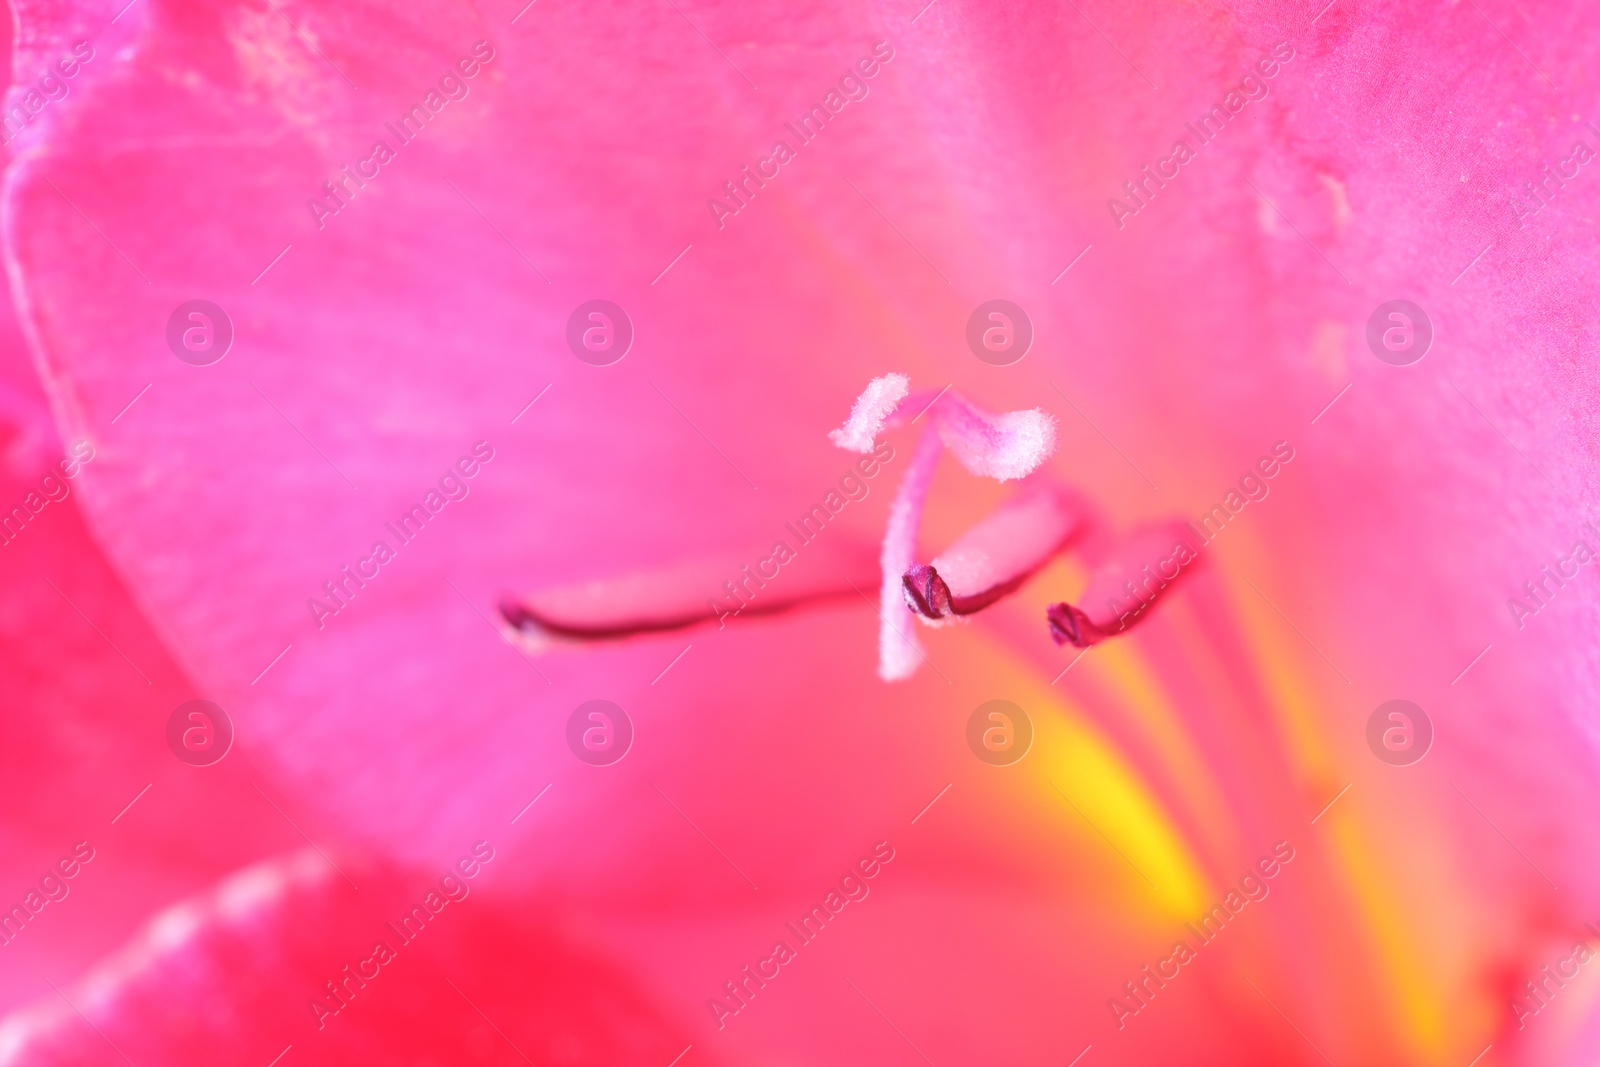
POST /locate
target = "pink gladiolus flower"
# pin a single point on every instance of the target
(450, 601)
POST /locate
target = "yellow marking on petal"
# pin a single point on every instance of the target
(1109, 793)
(1281, 657)
(1072, 755)
(1278, 653)
(1118, 799)
(1131, 678)
(1418, 1004)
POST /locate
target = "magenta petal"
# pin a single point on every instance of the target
(996, 556)
(1139, 572)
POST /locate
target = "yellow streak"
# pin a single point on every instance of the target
(1072, 759)
(1416, 1005)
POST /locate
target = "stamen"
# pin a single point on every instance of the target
(926, 592)
(707, 591)
(989, 561)
(1138, 573)
(996, 556)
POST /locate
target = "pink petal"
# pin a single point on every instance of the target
(260, 947)
(1391, 157)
